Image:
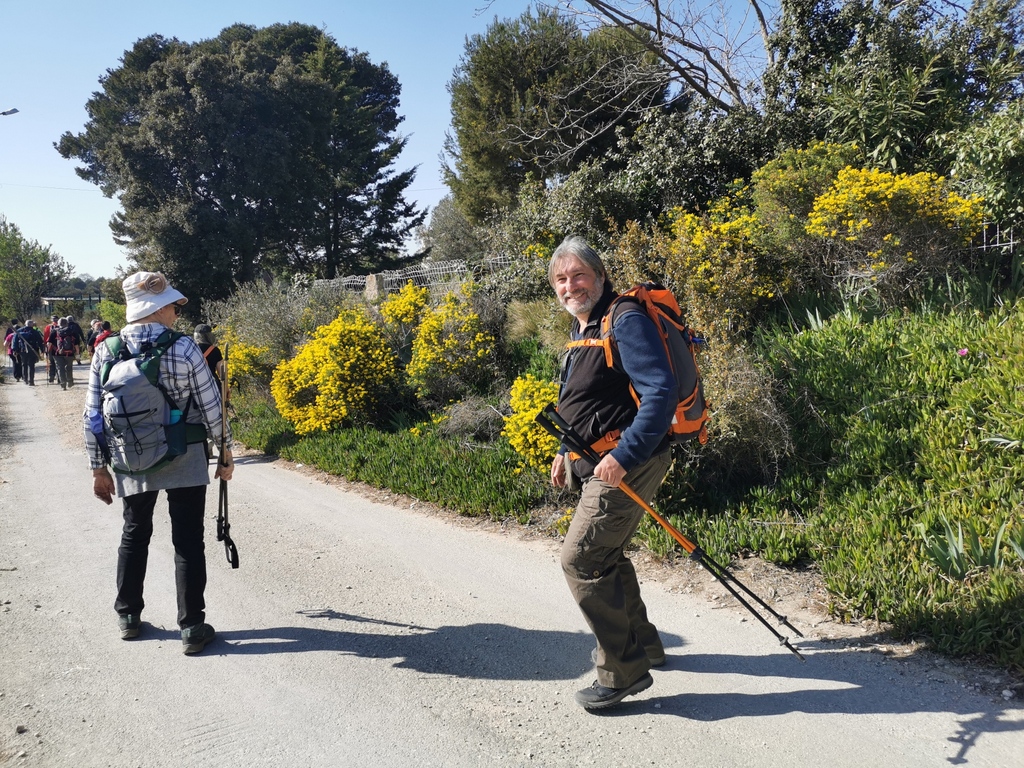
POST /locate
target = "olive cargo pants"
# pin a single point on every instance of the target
(602, 579)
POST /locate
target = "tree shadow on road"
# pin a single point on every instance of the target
(478, 651)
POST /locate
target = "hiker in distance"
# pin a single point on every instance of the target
(203, 336)
(63, 354)
(152, 308)
(50, 339)
(633, 442)
(28, 343)
(11, 352)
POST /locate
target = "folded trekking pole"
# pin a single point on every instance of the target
(551, 421)
(223, 526)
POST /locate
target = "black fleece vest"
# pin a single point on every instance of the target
(594, 398)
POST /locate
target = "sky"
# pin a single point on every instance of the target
(52, 55)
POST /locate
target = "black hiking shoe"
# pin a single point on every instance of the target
(194, 639)
(598, 696)
(129, 624)
(657, 658)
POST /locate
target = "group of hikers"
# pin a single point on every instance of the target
(623, 410)
(61, 344)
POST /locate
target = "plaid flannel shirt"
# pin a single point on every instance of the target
(183, 373)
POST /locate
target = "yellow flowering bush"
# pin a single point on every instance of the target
(888, 231)
(249, 365)
(542, 247)
(407, 306)
(402, 313)
(451, 353)
(343, 374)
(717, 260)
(528, 396)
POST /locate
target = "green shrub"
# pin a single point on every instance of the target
(270, 318)
(536, 333)
(258, 425)
(898, 425)
(112, 312)
(423, 464)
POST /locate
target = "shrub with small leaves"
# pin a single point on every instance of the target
(112, 312)
(528, 396)
(343, 375)
(451, 354)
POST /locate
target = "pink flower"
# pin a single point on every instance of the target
(962, 352)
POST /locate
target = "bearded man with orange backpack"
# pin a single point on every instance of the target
(620, 392)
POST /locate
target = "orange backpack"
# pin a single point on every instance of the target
(691, 416)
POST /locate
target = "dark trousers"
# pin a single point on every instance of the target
(28, 367)
(602, 579)
(16, 365)
(187, 508)
(51, 367)
(65, 370)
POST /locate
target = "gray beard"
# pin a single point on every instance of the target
(587, 306)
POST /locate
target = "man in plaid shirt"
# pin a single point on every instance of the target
(152, 307)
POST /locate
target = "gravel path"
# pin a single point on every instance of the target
(369, 633)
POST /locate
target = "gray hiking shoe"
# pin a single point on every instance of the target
(598, 696)
(129, 624)
(656, 657)
(195, 638)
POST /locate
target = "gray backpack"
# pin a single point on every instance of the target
(142, 426)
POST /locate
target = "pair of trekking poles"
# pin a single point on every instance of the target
(559, 428)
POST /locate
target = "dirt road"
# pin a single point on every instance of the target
(364, 633)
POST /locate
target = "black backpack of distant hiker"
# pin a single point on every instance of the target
(142, 426)
(65, 341)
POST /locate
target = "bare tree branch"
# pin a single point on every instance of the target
(708, 49)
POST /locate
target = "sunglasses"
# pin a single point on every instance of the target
(177, 310)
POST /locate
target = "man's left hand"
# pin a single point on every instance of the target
(610, 471)
(103, 486)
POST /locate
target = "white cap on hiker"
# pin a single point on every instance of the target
(146, 292)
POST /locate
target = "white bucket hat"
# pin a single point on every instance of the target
(146, 292)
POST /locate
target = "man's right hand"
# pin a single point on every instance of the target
(558, 471)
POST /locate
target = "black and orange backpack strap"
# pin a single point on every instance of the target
(602, 445)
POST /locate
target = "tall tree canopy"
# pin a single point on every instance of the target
(28, 271)
(535, 95)
(260, 149)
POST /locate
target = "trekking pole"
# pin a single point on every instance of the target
(558, 427)
(223, 526)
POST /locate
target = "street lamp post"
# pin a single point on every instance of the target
(9, 112)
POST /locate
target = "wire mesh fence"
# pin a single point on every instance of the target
(438, 276)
